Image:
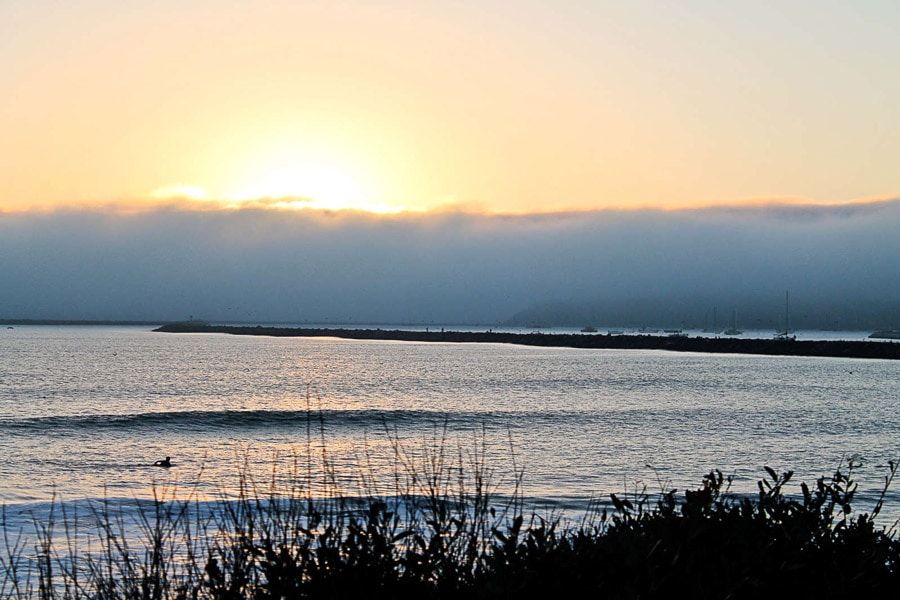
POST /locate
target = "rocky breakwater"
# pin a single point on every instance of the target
(774, 347)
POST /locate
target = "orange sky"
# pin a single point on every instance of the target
(496, 106)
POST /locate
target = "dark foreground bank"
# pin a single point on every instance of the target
(786, 347)
(442, 539)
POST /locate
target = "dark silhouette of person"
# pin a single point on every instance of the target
(163, 463)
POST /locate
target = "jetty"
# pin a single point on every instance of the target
(772, 347)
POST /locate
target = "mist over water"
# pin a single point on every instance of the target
(686, 268)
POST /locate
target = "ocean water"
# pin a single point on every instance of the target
(84, 412)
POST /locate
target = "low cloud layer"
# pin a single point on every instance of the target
(840, 263)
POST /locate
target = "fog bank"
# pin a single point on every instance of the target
(626, 268)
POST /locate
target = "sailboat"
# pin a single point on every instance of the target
(715, 327)
(786, 333)
(733, 330)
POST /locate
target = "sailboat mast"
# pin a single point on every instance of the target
(787, 313)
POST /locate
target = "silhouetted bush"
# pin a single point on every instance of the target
(444, 532)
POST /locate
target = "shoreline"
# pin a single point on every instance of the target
(770, 347)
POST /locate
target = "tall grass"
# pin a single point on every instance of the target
(440, 528)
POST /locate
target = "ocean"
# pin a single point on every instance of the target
(86, 410)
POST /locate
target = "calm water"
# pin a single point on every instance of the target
(85, 410)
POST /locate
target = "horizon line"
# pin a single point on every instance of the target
(295, 204)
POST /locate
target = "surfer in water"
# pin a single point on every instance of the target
(163, 463)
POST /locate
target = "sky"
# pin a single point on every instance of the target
(403, 160)
(489, 106)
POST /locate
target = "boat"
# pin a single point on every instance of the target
(715, 326)
(614, 332)
(785, 334)
(887, 334)
(648, 330)
(589, 329)
(733, 330)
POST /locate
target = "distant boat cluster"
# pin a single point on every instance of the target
(783, 328)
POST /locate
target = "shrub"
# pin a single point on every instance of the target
(444, 531)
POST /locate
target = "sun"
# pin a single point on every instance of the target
(310, 184)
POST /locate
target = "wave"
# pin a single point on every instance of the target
(257, 419)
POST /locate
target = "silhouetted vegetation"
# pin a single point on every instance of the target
(442, 530)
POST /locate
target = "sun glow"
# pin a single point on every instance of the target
(191, 192)
(310, 184)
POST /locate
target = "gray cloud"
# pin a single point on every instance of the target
(627, 267)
